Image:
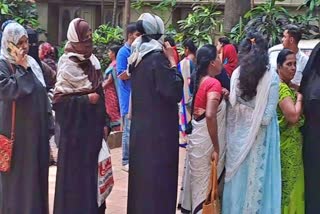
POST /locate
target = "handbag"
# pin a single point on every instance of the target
(6, 144)
(212, 203)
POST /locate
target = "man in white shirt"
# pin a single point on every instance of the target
(290, 40)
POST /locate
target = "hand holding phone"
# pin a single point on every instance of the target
(18, 54)
(13, 49)
(169, 52)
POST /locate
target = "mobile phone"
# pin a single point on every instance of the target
(12, 49)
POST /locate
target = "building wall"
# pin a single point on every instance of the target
(135, 14)
(50, 13)
(43, 18)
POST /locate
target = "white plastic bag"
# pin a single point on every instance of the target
(105, 176)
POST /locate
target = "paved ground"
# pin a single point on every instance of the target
(117, 201)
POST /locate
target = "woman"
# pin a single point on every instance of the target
(290, 121)
(110, 90)
(229, 55)
(204, 141)
(80, 112)
(25, 186)
(186, 67)
(46, 55)
(253, 173)
(311, 101)
(154, 142)
(49, 69)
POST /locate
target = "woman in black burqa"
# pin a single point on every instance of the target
(25, 186)
(80, 112)
(310, 89)
(154, 136)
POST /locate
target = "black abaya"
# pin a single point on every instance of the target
(154, 141)
(310, 89)
(81, 134)
(25, 187)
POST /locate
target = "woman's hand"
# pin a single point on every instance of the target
(21, 58)
(225, 93)
(93, 98)
(107, 82)
(294, 86)
(299, 97)
(169, 52)
(215, 156)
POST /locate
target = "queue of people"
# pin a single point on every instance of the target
(256, 119)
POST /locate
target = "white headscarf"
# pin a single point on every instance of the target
(152, 25)
(72, 33)
(13, 32)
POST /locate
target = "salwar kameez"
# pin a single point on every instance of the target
(255, 187)
(111, 97)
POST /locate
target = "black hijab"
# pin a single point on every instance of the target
(310, 84)
(33, 45)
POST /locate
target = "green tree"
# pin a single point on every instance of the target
(160, 8)
(22, 11)
(312, 6)
(202, 24)
(270, 19)
(103, 38)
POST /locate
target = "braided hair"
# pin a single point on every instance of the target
(205, 55)
(254, 60)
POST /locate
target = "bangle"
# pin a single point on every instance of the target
(173, 66)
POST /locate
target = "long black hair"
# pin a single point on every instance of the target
(115, 49)
(188, 43)
(254, 60)
(205, 55)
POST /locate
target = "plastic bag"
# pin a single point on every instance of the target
(105, 175)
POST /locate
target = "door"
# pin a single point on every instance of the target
(68, 13)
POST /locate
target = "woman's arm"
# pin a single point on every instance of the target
(273, 100)
(213, 99)
(168, 80)
(291, 111)
(107, 81)
(14, 86)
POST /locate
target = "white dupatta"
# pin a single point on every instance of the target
(235, 159)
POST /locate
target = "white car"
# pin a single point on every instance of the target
(304, 45)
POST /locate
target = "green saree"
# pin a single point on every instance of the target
(292, 200)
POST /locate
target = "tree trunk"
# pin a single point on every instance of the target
(127, 5)
(102, 12)
(233, 10)
(114, 12)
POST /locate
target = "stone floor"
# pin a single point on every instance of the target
(117, 200)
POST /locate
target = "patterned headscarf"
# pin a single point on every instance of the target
(78, 42)
(13, 32)
(152, 28)
(78, 69)
(47, 51)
